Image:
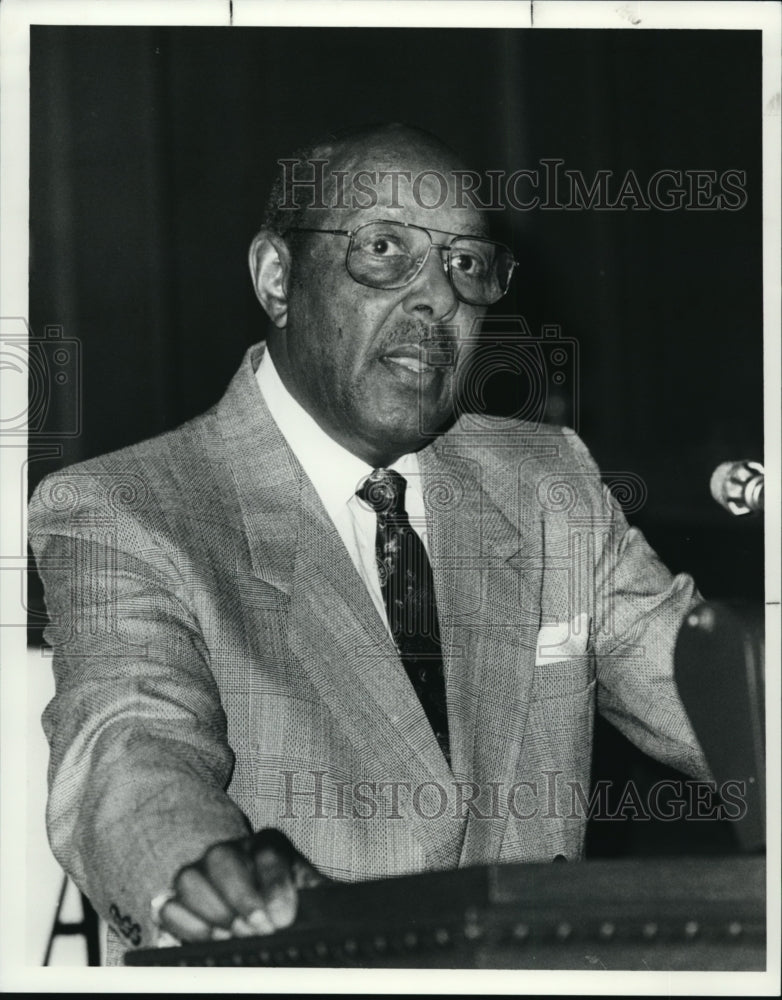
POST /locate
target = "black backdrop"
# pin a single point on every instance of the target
(152, 150)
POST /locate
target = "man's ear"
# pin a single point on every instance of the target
(270, 263)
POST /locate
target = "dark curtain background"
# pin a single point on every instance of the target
(152, 150)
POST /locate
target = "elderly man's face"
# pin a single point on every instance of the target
(351, 351)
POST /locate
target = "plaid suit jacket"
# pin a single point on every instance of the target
(220, 666)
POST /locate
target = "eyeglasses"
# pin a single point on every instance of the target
(389, 255)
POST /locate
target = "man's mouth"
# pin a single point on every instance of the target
(417, 359)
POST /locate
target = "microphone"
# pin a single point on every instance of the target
(739, 487)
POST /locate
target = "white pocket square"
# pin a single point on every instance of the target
(562, 640)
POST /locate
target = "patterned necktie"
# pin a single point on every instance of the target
(408, 592)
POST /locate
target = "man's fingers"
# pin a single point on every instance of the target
(184, 925)
(195, 892)
(305, 876)
(231, 872)
(240, 887)
(275, 881)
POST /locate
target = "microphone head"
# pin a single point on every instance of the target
(738, 487)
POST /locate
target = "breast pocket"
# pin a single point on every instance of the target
(563, 678)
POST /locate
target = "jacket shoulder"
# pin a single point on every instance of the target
(503, 441)
(527, 465)
(139, 480)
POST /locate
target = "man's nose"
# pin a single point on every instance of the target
(432, 293)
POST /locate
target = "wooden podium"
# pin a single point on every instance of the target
(658, 914)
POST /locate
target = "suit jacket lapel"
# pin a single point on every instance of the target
(490, 615)
(334, 630)
(262, 476)
(353, 663)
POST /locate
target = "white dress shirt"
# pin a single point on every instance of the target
(336, 474)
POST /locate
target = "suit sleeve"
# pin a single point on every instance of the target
(139, 758)
(638, 608)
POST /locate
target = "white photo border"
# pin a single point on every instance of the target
(16, 16)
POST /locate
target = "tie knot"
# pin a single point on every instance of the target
(384, 491)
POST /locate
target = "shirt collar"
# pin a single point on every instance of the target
(334, 471)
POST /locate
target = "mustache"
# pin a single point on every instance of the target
(433, 336)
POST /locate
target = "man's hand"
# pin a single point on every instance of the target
(238, 888)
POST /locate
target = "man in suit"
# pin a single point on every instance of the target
(240, 708)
